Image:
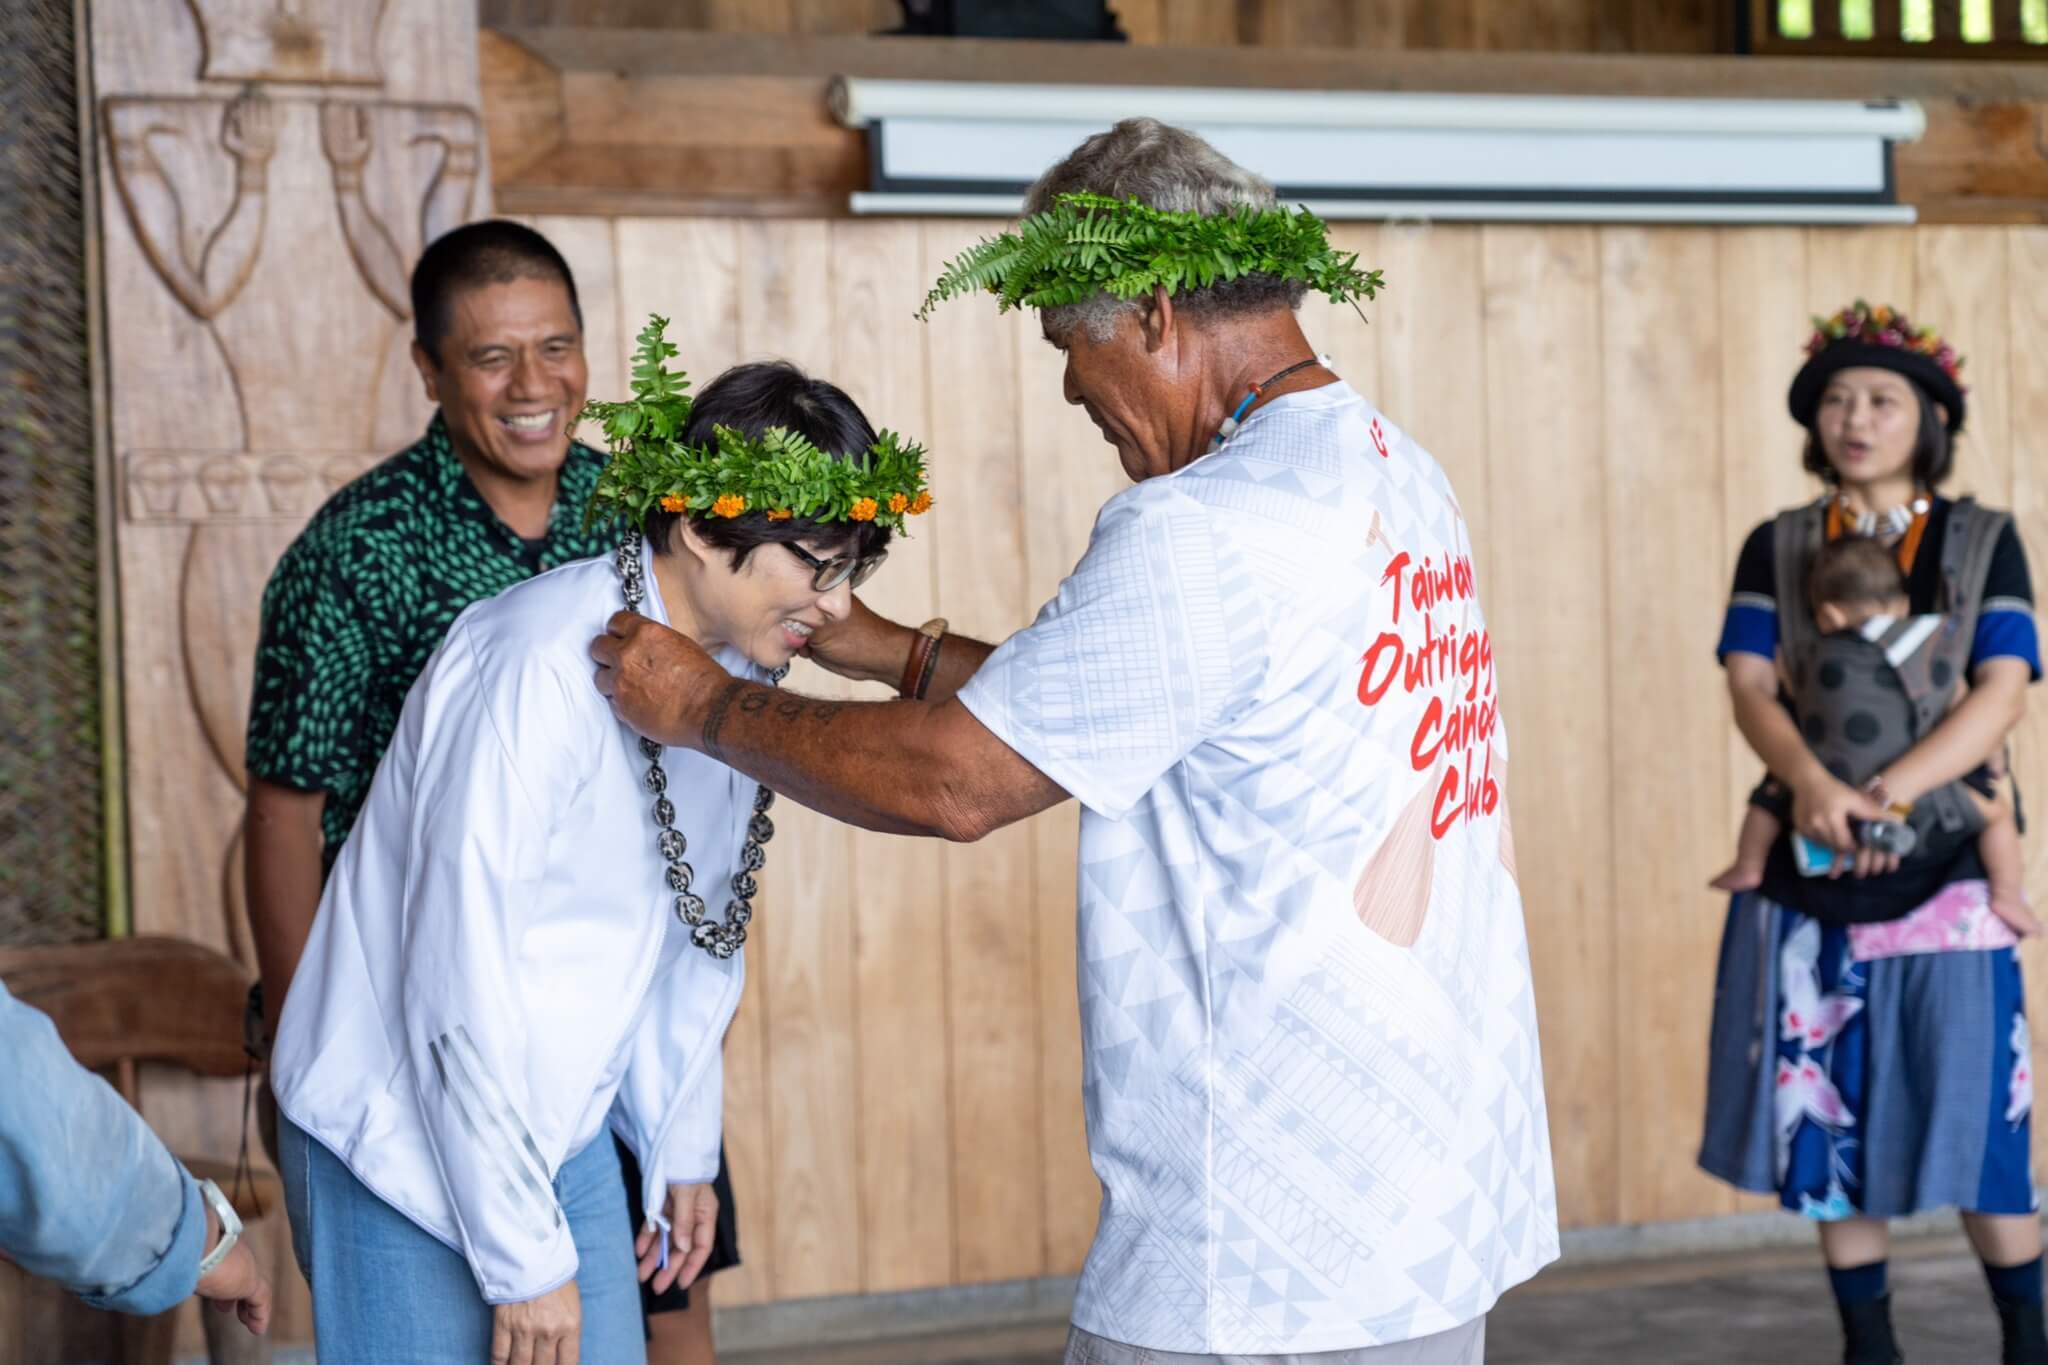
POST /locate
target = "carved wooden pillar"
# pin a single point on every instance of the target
(268, 171)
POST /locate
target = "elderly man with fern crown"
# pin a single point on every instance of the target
(532, 939)
(1310, 1063)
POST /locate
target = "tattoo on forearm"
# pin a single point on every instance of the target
(795, 708)
(714, 719)
(751, 699)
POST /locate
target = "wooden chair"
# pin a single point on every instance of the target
(124, 1001)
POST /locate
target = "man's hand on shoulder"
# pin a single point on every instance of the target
(660, 681)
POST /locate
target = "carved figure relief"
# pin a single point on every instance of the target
(290, 283)
(186, 487)
(403, 175)
(290, 41)
(193, 175)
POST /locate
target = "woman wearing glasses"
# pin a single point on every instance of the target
(531, 940)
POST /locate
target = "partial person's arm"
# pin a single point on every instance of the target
(1763, 720)
(282, 847)
(674, 1243)
(1052, 713)
(670, 1108)
(867, 647)
(1968, 736)
(1822, 804)
(316, 664)
(2005, 657)
(958, 781)
(900, 767)
(90, 1198)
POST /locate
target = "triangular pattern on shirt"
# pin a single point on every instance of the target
(1186, 971)
(1249, 955)
(1110, 975)
(1516, 1230)
(1111, 877)
(1433, 1276)
(1113, 1063)
(1225, 982)
(1157, 925)
(1154, 1018)
(1459, 1221)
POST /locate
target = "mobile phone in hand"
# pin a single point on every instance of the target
(1812, 859)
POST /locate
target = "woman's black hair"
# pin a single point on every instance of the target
(1933, 451)
(752, 399)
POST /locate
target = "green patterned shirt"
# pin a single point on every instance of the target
(361, 600)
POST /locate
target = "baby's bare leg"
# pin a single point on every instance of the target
(1760, 829)
(2005, 864)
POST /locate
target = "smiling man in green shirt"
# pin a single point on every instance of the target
(492, 494)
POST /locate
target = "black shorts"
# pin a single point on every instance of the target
(725, 1238)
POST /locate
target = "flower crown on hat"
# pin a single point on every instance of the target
(778, 473)
(1885, 326)
(1088, 244)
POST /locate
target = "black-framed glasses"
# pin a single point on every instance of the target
(827, 574)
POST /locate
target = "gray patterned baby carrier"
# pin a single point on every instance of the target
(1865, 697)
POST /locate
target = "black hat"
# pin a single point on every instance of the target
(1882, 339)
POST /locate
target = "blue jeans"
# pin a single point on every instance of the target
(387, 1292)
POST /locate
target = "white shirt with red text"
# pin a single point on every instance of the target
(1311, 1073)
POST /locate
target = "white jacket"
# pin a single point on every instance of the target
(495, 966)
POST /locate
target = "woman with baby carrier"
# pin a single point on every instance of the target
(1869, 1055)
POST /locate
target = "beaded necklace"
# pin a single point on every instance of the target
(1908, 522)
(721, 939)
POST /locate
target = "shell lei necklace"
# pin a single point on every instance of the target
(1907, 523)
(720, 939)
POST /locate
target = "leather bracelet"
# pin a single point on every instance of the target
(917, 668)
(931, 667)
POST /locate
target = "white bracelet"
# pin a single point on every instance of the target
(230, 1227)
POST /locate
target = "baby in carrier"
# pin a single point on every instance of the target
(1857, 703)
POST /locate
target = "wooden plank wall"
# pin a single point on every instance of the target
(1695, 26)
(1610, 404)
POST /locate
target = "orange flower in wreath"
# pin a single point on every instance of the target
(863, 510)
(920, 504)
(897, 503)
(670, 502)
(780, 514)
(729, 505)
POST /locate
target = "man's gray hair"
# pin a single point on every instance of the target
(1167, 168)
